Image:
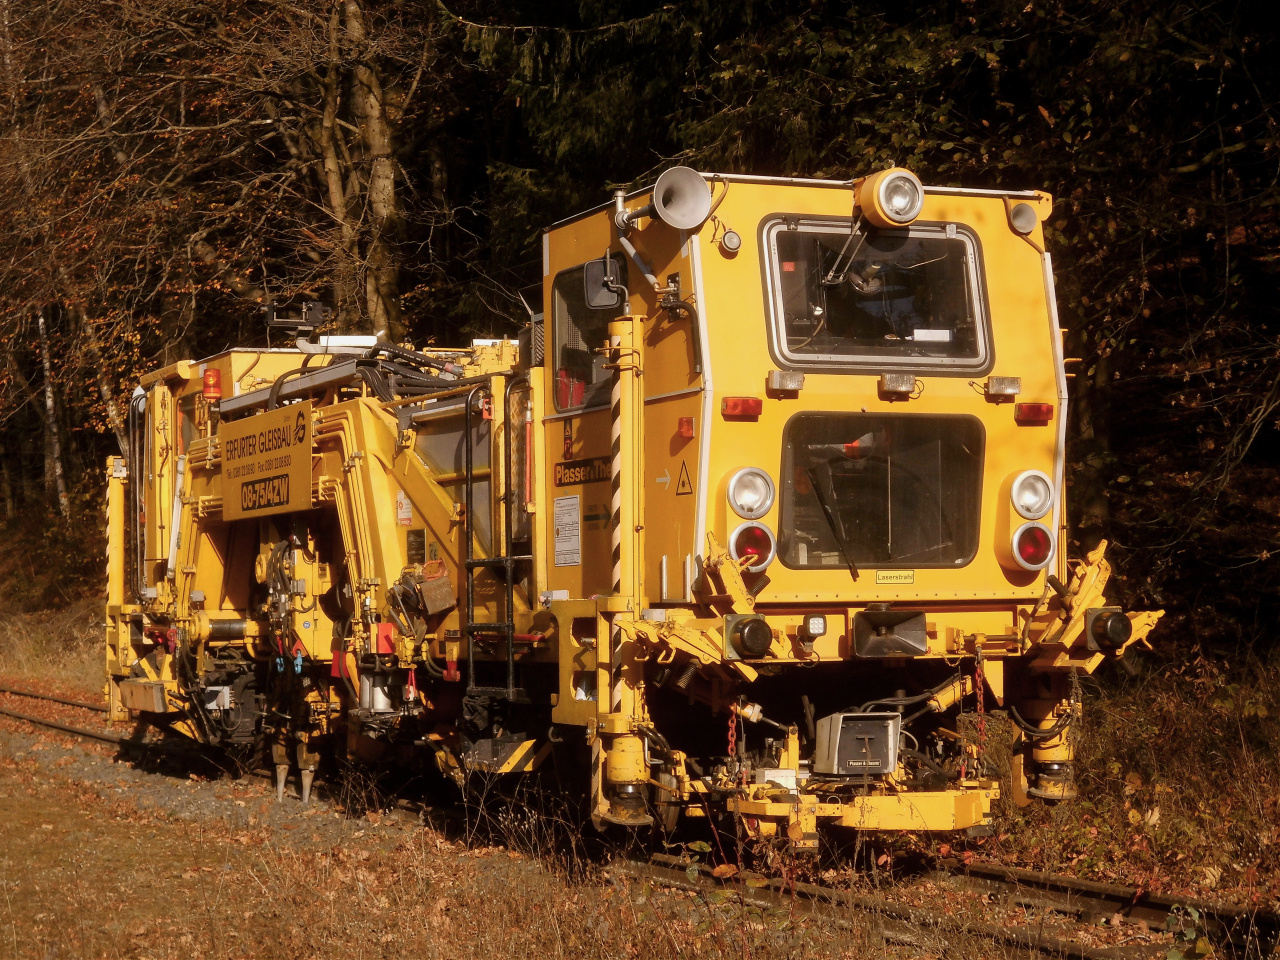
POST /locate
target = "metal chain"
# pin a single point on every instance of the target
(1074, 731)
(979, 681)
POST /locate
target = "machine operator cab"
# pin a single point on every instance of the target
(803, 423)
(856, 386)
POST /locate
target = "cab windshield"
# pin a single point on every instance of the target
(890, 297)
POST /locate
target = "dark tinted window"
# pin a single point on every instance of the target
(893, 490)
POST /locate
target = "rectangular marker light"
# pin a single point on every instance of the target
(741, 408)
(1033, 413)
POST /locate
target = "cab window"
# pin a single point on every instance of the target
(581, 379)
(845, 296)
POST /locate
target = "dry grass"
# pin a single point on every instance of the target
(62, 646)
(432, 899)
(1179, 777)
(274, 892)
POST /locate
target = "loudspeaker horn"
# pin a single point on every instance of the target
(681, 198)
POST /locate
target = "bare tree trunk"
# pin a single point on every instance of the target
(104, 385)
(382, 294)
(6, 485)
(26, 464)
(6, 54)
(345, 301)
(104, 114)
(51, 423)
(26, 452)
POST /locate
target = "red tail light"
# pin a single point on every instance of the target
(1032, 413)
(212, 388)
(1033, 545)
(753, 542)
(741, 408)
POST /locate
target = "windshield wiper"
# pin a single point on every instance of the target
(831, 280)
(837, 529)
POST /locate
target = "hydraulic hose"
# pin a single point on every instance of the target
(1038, 733)
(922, 758)
(273, 397)
(415, 358)
(903, 701)
(695, 335)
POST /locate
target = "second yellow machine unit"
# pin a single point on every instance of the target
(768, 491)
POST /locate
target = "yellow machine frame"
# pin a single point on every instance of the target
(487, 553)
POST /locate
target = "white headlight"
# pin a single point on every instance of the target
(890, 198)
(1032, 494)
(901, 197)
(750, 493)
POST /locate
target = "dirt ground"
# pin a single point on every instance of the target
(105, 858)
(101, 858)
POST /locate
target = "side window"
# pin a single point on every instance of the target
(187, 431)
(581, 377)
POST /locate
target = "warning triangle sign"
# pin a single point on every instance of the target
(683, 487)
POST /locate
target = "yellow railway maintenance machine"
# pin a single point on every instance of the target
(767, 493)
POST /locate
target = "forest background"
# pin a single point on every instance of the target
(170, 166)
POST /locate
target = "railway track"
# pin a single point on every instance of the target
(1242, 931)
(31, 694)
(184, 749)
(890, 920)
(1232, 931)
(104, 736)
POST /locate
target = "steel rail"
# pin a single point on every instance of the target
(14, 691)
(1255, 929)
(892, 921)
(77, 731)
(104, 736)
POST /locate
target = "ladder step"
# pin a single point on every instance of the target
(519, 695)
(480, 562)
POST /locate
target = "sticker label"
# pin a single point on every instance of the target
(266, 463)
(683, 487)
(895, 576)
(573, 473)
(416, 546)
(568, 531)
(404, 509)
